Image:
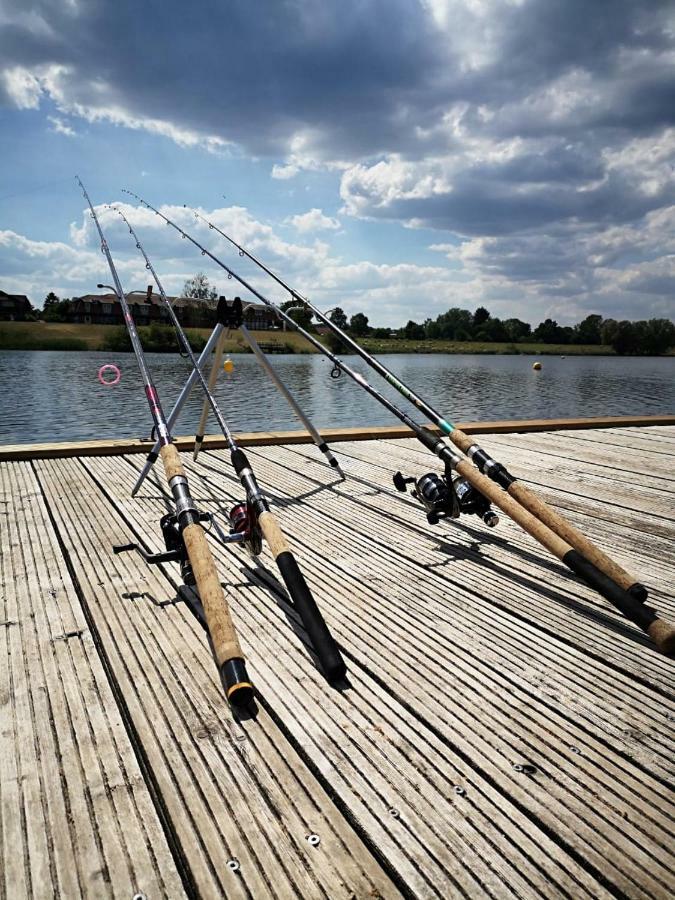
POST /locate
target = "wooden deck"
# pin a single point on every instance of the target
(471, 654)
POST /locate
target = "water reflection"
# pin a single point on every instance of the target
(52, 396)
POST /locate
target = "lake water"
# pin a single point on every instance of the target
(55, 396)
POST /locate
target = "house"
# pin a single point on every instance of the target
(105, 309)
(14, 307)
(259, 317)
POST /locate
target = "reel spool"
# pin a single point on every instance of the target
(445, 497)
(244, 520)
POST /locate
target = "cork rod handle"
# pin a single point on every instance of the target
(660, 631)
(564, 529)
(224, 641)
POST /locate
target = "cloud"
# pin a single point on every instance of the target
(283, 173)
(313, 220)
(536, 137)
(22, 88)
(61, 127)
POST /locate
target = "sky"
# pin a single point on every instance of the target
(391, 157)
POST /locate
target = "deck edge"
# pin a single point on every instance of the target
(19, 452)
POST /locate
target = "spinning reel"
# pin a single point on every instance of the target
(244, 529)
(445, 497)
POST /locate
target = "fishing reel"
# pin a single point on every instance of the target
(174, 542)
(447, 497)
(244, 521)
(244, 529)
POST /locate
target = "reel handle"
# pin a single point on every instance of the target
(400, 482)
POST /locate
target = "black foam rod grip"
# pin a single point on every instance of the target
(321, 639)
(631, 607)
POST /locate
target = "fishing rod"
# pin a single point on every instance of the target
(257, 515)
(183, 532)
(481, 459)
(280, 386)
(450, 506)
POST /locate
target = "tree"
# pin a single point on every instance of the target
(626, 337)
(480, 317)
(414, 332)
(54, 309)
(588, 331)
(454, 325)
(608, 331)
(200, 288)
(338, 317)
(549, 332)
(517, 330)
(492, 330)
(658, 335)
(358, 325)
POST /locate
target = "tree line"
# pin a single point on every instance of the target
(653, 336)
(650, 337)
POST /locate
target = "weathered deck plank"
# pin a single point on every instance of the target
(605, 697)
(370, 484)
(468, 652)
(221, 782)
(77, 818)
(519, 725)
(444, 800)
(601, 519)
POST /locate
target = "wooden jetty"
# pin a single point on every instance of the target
(528, 753)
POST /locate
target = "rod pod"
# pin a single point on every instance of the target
(276, 380)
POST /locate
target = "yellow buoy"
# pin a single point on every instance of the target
(228, 366)
(536, 366)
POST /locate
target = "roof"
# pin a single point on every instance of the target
(155, 300)
(20, 297)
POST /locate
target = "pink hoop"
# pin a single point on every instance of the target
(109, 367)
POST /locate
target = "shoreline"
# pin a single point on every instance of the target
(57, 336)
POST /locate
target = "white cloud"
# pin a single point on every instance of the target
(283, 173)
(61, 127)
(58, 83)
(313, 220)
(22, 87)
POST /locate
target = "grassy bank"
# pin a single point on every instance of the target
(61, 336)
(373, 345)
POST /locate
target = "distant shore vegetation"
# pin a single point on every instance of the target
(454, 331)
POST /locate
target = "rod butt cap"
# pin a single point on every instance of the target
(238, 688)
(663, 635)
(639, 591)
